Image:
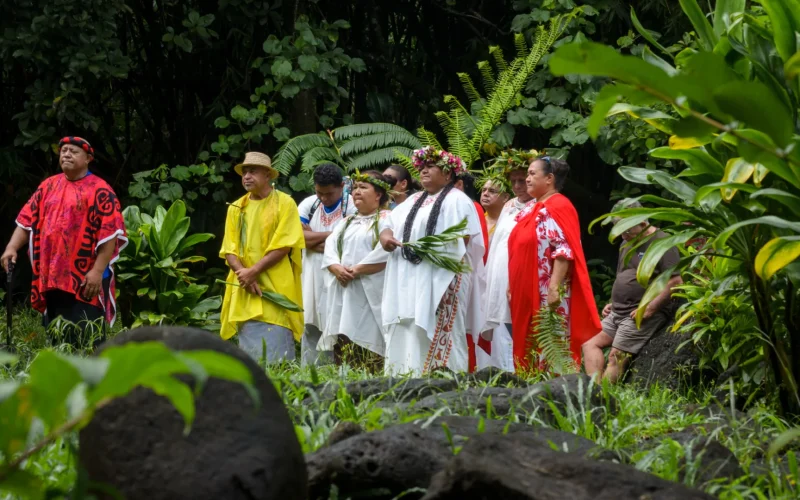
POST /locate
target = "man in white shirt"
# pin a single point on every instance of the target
(319, 213)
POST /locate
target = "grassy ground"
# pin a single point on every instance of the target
(642, 415)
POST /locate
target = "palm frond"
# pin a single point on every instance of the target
(428, 138)
(318, 155)
(295, 148)
(349, 131)
(469, 87)
(377, 158)
(361, 144)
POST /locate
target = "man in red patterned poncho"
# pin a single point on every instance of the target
(74, 230)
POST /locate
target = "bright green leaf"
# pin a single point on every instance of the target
(702, 27)
(754, 104)
(656, 250)
(51, 380)
(777, 254)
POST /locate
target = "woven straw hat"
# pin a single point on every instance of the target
(255, 159)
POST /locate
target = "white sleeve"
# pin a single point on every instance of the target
(331, 255)
(304, 208)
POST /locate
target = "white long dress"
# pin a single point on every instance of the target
(498, 311)
(312, 274)
(427, 311)
(355, 310)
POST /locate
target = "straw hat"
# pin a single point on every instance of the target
(254, 159)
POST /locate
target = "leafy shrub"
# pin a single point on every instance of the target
(153, 265)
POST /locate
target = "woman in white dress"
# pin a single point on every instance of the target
(427, 310)
(356, 262)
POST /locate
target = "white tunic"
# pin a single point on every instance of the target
(355, 310)
(498, 311)
(313, 274)
(413, 292)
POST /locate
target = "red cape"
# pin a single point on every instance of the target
(523, 265)
(484, 229)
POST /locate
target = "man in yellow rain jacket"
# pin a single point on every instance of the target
(262, 246)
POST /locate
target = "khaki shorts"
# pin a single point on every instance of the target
(628, 338)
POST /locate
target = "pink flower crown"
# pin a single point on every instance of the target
(442, 159)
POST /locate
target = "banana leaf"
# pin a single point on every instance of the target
(276, 298)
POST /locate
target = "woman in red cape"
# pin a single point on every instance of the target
(546, 264)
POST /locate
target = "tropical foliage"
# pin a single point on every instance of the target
(155, 285)
(734, 125)
(62, 393)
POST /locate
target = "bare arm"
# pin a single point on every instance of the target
(270, 259)
(367, 269)
(388, 242)
(560, 269)
(18, 240)
(93, 282)
(314, 238)
(665, 294)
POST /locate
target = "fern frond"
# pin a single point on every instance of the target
(469, 87)
(379, 158)
(295, 148)
(549, 332)
(499, 58)
(522, 45)
(361, 129)
(428, 138)
(318, 155)
(403, 158)
(488, 76)
(361, 144)
(457, 141)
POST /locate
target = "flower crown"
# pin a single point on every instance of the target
(442, 159)
(359, 177)
(516, 159)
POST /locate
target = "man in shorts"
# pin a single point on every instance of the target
(619, 317)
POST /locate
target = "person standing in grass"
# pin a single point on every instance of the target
(319, 214)
(262, 245)
(546, 266)
(619, 316)
(356, 262)
(427, 308)
(495, 347)
(74, 230)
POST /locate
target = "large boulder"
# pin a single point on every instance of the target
(568, 393)
(386, 463)
(506, 467)
(664, 361)
(234, 450)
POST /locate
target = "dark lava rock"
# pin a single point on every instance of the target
(496, 377)
(393, 389)
(234, 450)
(568, 393)
(386, 463)
(491, 466)
(343, 430)
(658, 362)
(380, 464)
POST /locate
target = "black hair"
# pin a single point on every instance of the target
(559, 169)
(404, 175)
(328, 174)
(433, 218)
(469, 185)
(377, 175)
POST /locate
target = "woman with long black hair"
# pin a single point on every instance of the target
(427, 310)
(402, 182)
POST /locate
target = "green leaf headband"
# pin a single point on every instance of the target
(359, 177)
(516, 159)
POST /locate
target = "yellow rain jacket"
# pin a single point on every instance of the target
(254, 228)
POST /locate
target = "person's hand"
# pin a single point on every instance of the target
(356, 270)
(92, 284)
(553, 297)
(389, 243)
(9, 255)
(508, 294)
(247, 276)
(306, 227)
(254, 289)
(607, 310)
(343, 275)
(649, 311)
